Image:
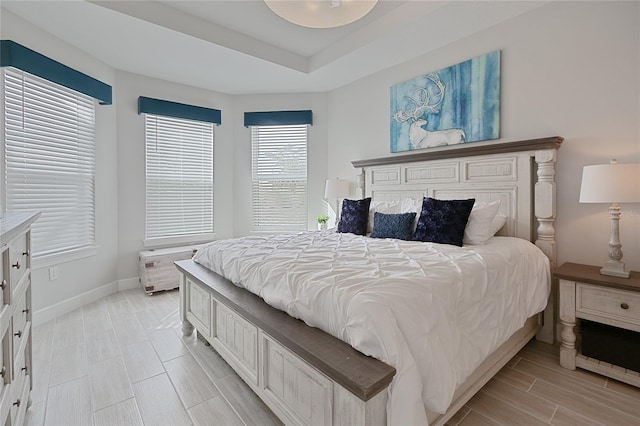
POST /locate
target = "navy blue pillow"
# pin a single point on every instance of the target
(398, 226)
(443, 221)
(354, 216)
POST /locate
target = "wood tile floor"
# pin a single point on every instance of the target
(123, 361)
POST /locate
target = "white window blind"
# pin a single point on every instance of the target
(279, 169)
(49, 152)
(179, 171)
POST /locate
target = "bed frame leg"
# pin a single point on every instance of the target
(187, 327)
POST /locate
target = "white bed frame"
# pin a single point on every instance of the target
(291, 375)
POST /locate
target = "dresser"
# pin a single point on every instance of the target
(15, 316)
(609, 303)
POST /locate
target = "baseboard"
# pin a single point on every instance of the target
(50, 312)
(128, 283)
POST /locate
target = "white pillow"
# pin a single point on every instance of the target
(479, 229)
(411, 205)
(497, 223)
(387, 207)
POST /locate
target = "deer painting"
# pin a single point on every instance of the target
(420, 101)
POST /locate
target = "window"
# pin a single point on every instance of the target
(279, 184)
(49, 160)
(179, 179)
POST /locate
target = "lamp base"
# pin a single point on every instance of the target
(614, 269)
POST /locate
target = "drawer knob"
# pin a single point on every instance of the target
(16, 265)
(25, 253)
(24, 368)
(3, 371)
(4, 284)
(17, 403)
(26, 311)
(19, 333)
(624, 306)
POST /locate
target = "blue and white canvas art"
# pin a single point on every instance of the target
(454, 105)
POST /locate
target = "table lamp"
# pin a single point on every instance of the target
(338, 189)
(612, 183)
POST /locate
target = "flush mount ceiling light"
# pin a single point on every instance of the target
(321, 13)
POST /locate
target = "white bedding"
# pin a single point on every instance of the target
(432, 311)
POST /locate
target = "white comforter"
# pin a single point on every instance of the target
(432, 311)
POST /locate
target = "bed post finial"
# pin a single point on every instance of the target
(545, 203)
(360, 183)
(545, 211)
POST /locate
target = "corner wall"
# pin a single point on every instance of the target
(570, 69)
(316, 152)
(92, 275)
(131, 162)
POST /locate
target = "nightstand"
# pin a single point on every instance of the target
(600, 299)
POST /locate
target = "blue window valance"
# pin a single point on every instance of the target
(278, 118)
(20, 57)
(178, 110)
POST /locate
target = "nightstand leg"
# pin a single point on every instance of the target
(568, 321)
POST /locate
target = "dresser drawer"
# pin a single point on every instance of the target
(20, 392)
(5, 375)
(607, 302)
(4, 276)
(18, 258)
(19, 323)
(5, 405)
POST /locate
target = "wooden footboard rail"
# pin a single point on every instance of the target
(303, 374)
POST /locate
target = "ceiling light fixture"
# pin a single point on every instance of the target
(321, 13)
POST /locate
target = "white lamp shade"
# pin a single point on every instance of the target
(611, 183)
(321, 13)
(336, 188)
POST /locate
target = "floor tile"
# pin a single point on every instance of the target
(190, 382)
(124, 413)
(142, 361)
(35, 414)
(102, 345)
(167, 344)
(215, 411)
(68, 363)
(129, 331)
(70, 404)
(109, 383)
(158, 402)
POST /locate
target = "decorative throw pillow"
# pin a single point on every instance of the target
(398, 226)
(443, 221)
(387, 207)
(354, 216)
(478, 229)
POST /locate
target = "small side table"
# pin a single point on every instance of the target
(586, 294)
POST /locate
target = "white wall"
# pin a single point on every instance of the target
(316, 151)
(568, 68)
(131, 163)
(84, 275)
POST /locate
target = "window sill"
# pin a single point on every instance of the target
(178, 240)
(39, 262)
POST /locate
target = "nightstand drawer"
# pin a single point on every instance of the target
(608, 302)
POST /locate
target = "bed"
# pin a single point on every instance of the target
(307, 376)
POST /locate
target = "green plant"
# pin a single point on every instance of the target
(323, 218)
